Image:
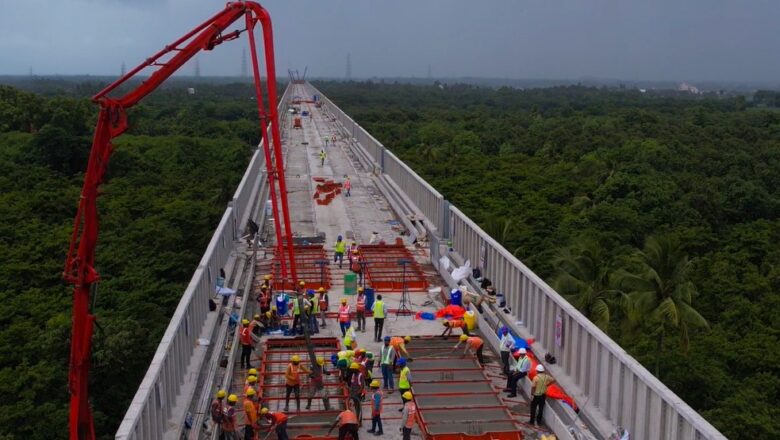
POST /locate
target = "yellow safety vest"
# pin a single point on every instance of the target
(296, 308)
(315, 305)
(379, 309)
(340, 246)
(385, 353)
(403, 382)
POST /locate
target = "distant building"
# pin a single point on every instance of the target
(685, 87)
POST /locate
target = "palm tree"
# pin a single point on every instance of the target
(660, 293)
(584, 277)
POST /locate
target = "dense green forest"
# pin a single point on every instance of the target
(167, 187)
(648, 211)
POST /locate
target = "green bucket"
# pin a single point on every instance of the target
(350, 283)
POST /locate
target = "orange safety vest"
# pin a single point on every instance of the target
(324, 302)
(411, 415)
(457, 323)
(361, 303)
(250, 413)
(229, 421)
(397, 342)
(293, 374)
(277, 417)
(474, 342)
(246, 336)
(347, 417)
(344, 313)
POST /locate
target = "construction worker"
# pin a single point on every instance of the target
(347, 187)
(251, 372)
(379, 309)
(251, 414)
(274, 318)
(229, 419)
(278, 422)
(347, 422)
(355, 264)
(376, 409)
(352, 248)
(350, 338)
(399, 345)
(314, 300)
(293, 382)
(251, 383)
(368, 367)
(247, 340)
(356, 386)
(324, 301)
(298, 316)
(317, 385)
(404, 380)
(218, 411)
(473, 343)
(265, 318)
(386, 362)
(539, 394)
(344, 317)
(360, 309)
(519, 370)
(451, 324)
(506, 344)
(338, 251)
(322, 158)
(408, 416)
(257, 325)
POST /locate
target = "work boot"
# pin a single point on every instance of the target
(370, 431)
(511, 395)
(286, 409)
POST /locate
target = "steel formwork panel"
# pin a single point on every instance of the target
(445, 364)
(307, 269)
(452, 387)
(384, 273)
(452, 401)
(452, 375)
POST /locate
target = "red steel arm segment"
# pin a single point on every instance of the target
(112, 121)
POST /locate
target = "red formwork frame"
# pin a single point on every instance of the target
(307, 269)
(503, 410)
(385, 274)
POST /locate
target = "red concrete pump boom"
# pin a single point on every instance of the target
(112, 122)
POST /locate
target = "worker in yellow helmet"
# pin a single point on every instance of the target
(218, 410)
(317, 384)
(278, 422)
(408, 416)
(293, 381)
(251, 414)
(324, 301)
(473, 344)
(338, 251)
(229, 419)
(376, 409)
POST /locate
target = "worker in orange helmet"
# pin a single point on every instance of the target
(474, 344)
(347, 422)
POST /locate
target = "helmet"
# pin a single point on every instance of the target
(257, 316)
(407, 395)
(343, 300)
(250, 392)
(407, 339)
(374, 383)
(295, 358)
(387, 338)
(268, 314)
(252, 372)
(516, 354)
(339, 238)
(402, 362)
(350, 353)
(360, 289)
(370, 355)
(251, 379)
(463, 338)
(221, 394)
(264, 411)
(232, 398)
(354, 366)
(521, 351)
(341, 354)
(354, 244)
(321, 289)
(320, 361)
(301, 283)
(445, 323)
(540, 368)
(268, 276)
(355, 251)
(504, 330)
(360, 351)
(273, 308)
(245, 322)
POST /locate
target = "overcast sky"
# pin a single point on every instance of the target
(557, 39)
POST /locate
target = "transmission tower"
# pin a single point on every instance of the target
(349, 67)
(244, 69)
(124, 69)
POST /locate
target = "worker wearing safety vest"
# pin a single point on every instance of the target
(360, 308)
(379, 309)
(474, 344)
(229, 419)
(293, 381)
(344, 317)
(246, 338)
(251, 414)
(408, 416)
(296, 309)
(347, 187)
(404, 380)
(386, 362)
(278, 422)
(376, 409)
(338, 251)
(250, 384)
(264, 299)
(539, 386)
(314, 300)
(451, 324)
(355, 265)
(350, 338)
(218, 410)
(323, 304)
(506, 344)
(399, 345)
(317, 385)
(322, 158)
(356, 386)
(520, 368)
(347, 422)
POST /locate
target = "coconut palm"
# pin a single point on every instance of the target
(584, 277)
(660, 293)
